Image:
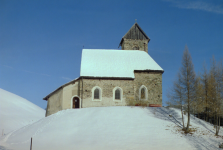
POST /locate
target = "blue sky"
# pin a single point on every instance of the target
(41, 41)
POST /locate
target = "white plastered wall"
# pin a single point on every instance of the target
(68, 92)
(55, 102)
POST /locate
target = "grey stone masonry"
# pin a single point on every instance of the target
(153, 82)
(135, 44)
(107, 86)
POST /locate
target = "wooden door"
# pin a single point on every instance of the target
(76, 102)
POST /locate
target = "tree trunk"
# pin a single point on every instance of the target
(207, 116)
(188, 121)
(182, 117)
(188, 105)
(218, 126)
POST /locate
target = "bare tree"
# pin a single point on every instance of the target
(204, 80)
(183, 91)
(215, 92)
(199, 102)
(188, 82)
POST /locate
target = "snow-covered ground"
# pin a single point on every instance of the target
(16, 112)
(112, 128)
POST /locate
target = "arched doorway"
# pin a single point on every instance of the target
(76, 102)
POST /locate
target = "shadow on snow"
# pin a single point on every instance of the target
(173, 116)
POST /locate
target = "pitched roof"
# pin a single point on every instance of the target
(115, 63)
(46, 98)
(135, 32)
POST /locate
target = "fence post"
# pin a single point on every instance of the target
(31, 144)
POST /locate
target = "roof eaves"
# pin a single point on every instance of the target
(115, 78)
(148, 70)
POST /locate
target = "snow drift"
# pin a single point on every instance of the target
(113, 128)
(16, 112)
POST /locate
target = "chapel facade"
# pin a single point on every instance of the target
(112, 77)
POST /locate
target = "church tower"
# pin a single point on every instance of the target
(135, 39)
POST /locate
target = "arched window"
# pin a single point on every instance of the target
(117, 94)
(96, 93)
(143, 93)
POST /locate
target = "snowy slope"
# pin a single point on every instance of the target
(112, 128)
(16, 112)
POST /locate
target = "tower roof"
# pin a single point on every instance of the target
(135, 32)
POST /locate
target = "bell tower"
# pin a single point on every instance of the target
(135, 39)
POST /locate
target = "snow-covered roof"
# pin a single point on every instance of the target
(115, 63)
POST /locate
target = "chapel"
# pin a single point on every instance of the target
(112, 77)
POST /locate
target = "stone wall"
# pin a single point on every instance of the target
(129, 44)
(107, 86)
(153, 82)
(61, 99)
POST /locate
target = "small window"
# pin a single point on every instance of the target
(117, 94)
(143, 93)
(96, 94)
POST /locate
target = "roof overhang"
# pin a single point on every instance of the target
(46, 98)
(158, 71)
(107, 78)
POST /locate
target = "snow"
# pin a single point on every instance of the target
(16, 112)
(115, 63)
(117, 128)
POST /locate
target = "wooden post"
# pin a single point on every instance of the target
(31, 144)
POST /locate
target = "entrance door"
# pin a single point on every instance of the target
(76, 102)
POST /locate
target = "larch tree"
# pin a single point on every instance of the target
(188, 82)
(183, 92)
(215, 92)
(204, 80)
(199, 102)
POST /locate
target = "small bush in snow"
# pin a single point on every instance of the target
(132, 102)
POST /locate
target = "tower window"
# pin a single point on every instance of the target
(136, 48)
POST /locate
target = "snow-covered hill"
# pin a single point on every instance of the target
(16, 112)
(113, 128)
